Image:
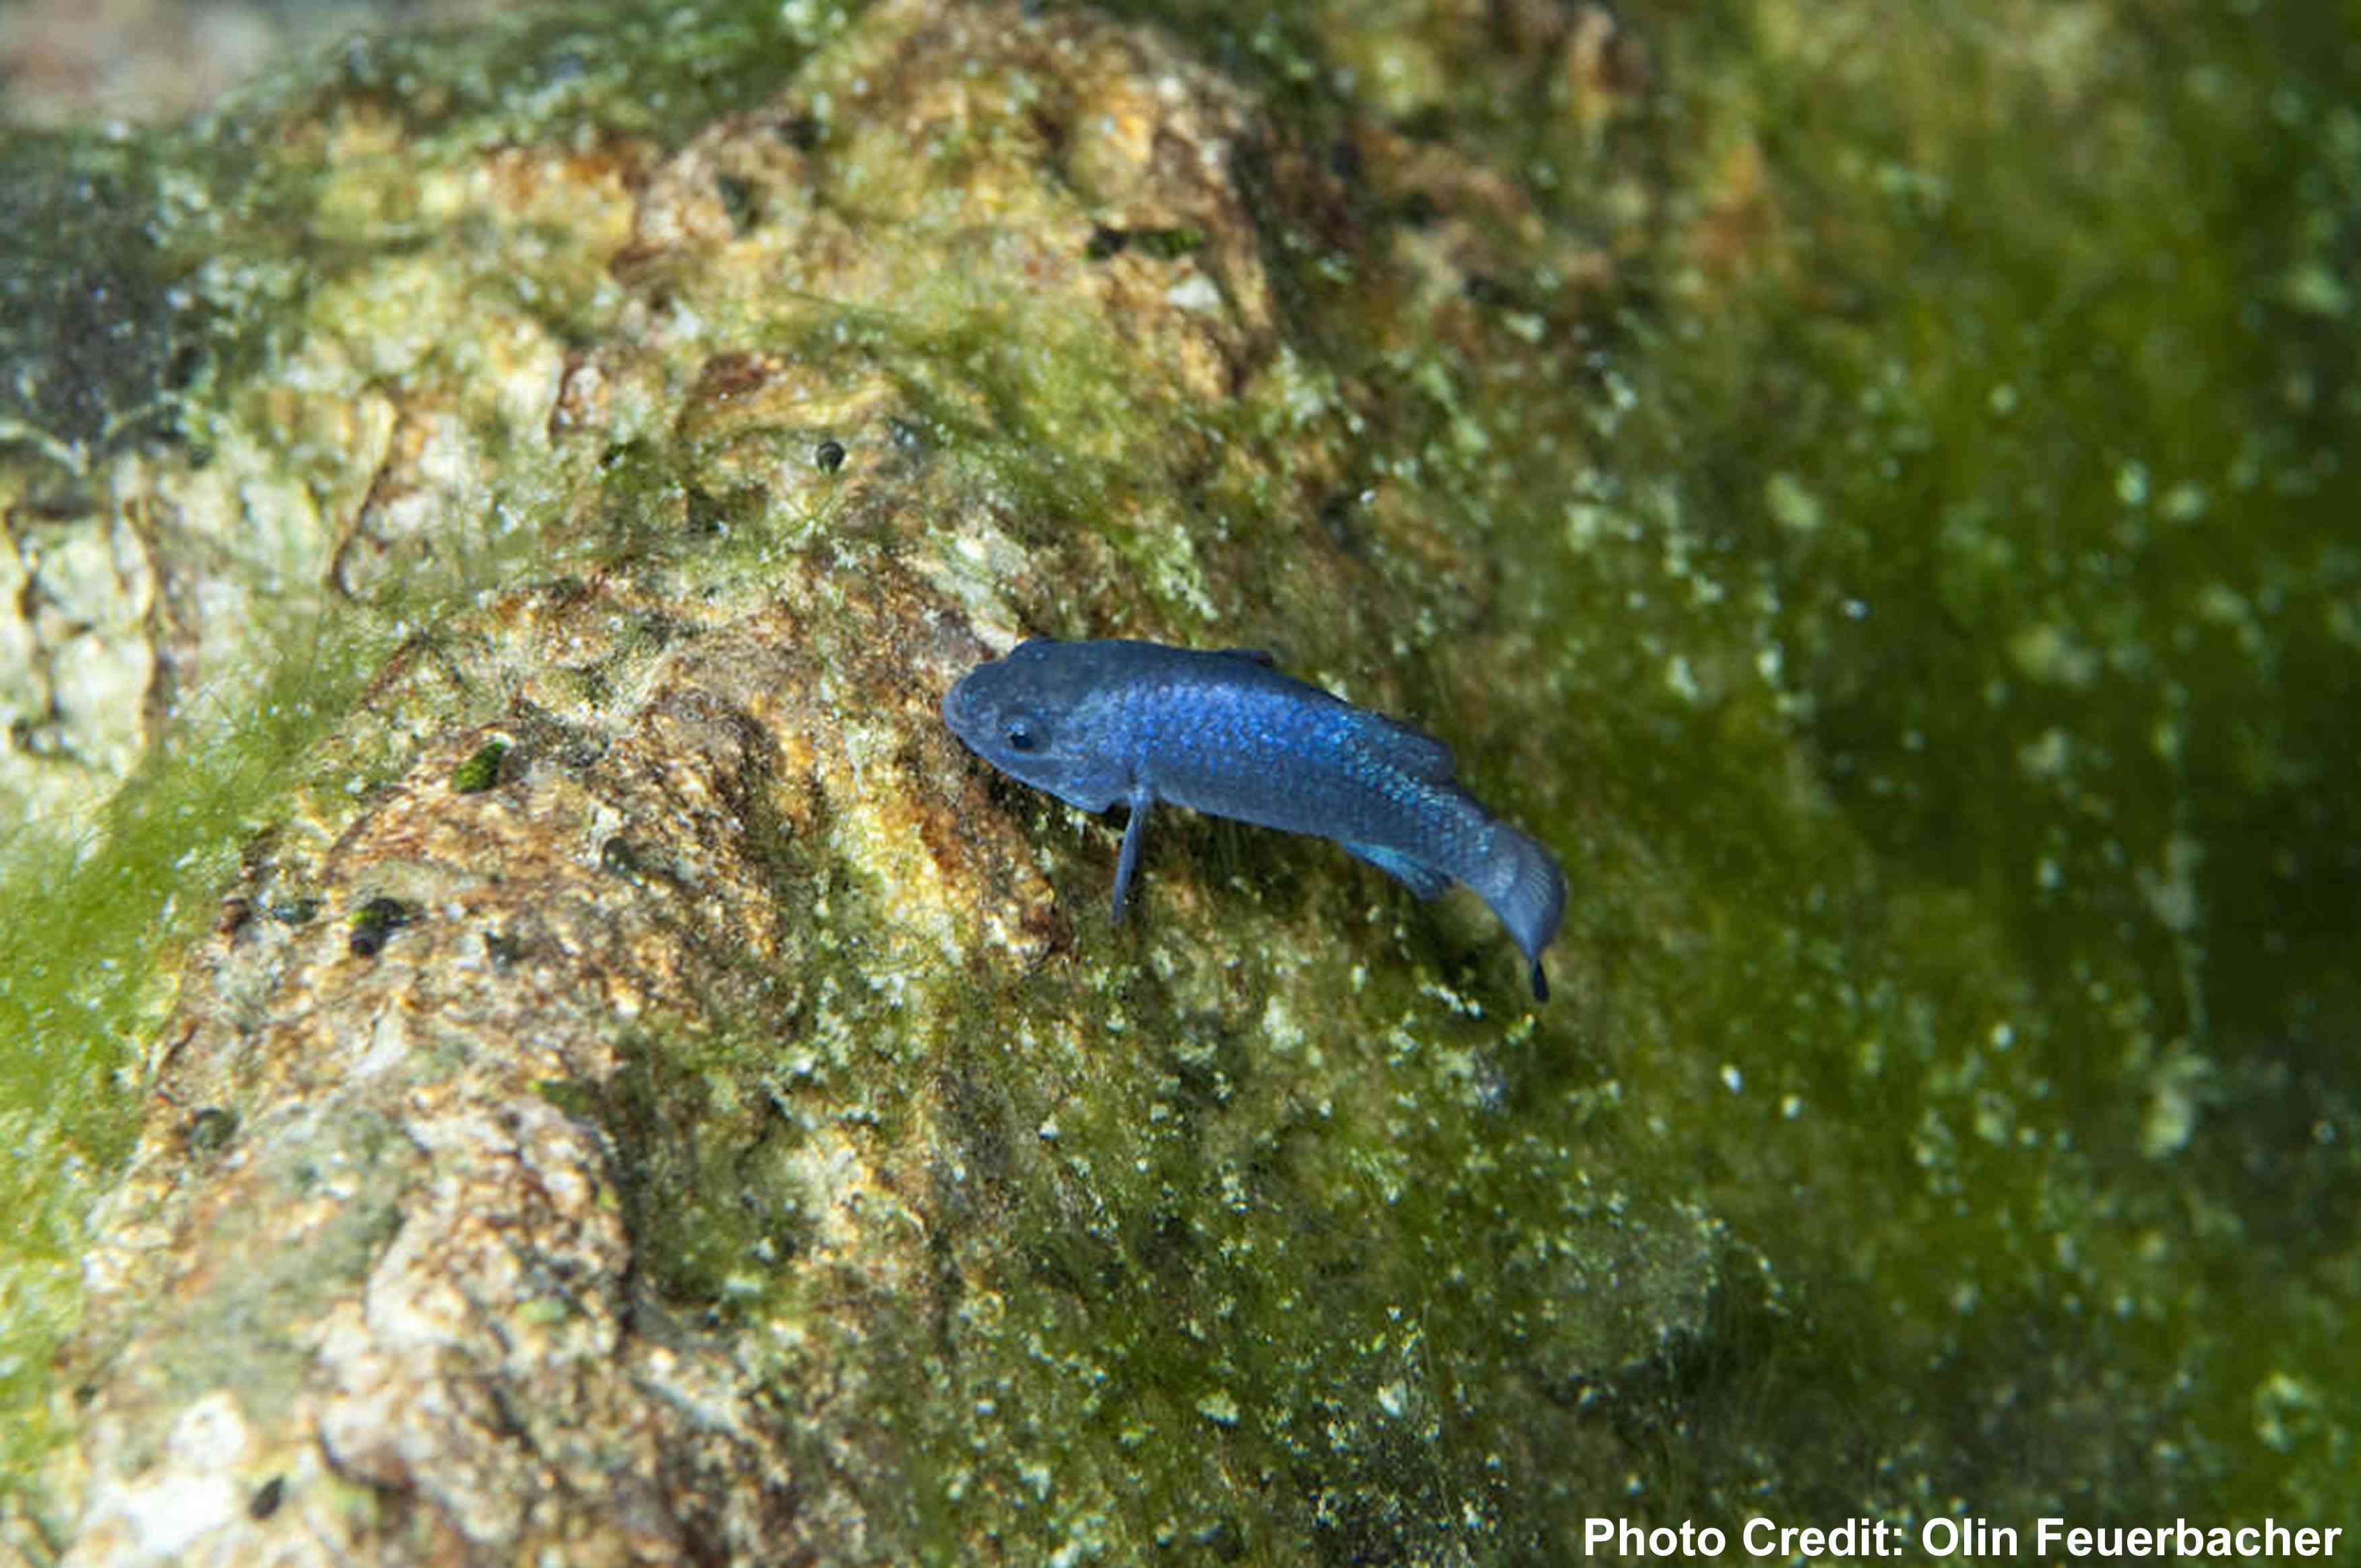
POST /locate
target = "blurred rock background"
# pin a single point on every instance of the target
(78, 62)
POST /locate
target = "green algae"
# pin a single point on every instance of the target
(481, 771)
(83, 985)
(2019, 517)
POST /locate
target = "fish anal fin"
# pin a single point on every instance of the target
(1417, 876)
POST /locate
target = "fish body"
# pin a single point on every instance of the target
(1225, 733)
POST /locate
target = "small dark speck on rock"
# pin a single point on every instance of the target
(739, 200)
(209, 1129)
(502, 949)
(1223, 1539)
(1336, 515)
(375, 922)
(828, 455)
(1482, 289)
(1104, 242)
(1168, 243)
(267, 1499)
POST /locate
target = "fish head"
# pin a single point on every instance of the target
(1031, 715)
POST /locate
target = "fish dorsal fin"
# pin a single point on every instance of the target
(1413, 750)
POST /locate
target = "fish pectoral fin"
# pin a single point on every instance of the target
(1417, 876)
(1127, 863)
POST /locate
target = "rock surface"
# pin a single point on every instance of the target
(646, 1100)
(487, 529)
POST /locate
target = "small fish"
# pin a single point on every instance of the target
(1225, 732)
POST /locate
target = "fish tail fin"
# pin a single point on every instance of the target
(1523, 884)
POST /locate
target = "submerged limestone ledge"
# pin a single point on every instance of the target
(646, 1094)
(639, 1091)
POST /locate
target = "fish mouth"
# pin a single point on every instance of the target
(958, 707)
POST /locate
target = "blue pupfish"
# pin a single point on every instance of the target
(1225, 732)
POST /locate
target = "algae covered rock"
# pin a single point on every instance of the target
(645, 1094)
(614, 1079)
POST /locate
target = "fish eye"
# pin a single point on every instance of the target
(1023, 732)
